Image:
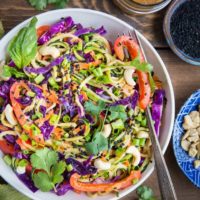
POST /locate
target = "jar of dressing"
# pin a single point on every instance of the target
(141, 6)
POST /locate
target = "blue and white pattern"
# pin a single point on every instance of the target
(186, 162)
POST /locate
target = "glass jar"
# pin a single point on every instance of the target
(141, 6)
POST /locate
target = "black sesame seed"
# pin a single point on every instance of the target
(185, 28)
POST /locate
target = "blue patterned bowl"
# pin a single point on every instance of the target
(183, 159)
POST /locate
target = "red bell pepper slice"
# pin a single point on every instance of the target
(17, 108)
(6, 147)
(143, 78)
(42, 29)
(102, 187)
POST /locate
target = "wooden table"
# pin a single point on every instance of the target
(185, 78)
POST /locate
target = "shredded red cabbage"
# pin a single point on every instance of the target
(83, 31)
(5, 92)
(100, 30)
(81, 168)
(132, 100)
(10, 138)
(46, 130)
(88, 57)
(20, 155)
(44, 70)
(36, 90)
(63, 25)
(26, 179)
(63, 188)
(157, 107)
(25, 101)
(43, 110)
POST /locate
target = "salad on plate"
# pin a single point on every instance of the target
(72, 109)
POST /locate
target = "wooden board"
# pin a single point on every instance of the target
(185, 78)
(15, 11)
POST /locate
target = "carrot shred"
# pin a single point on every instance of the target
(85, 97)
(88, 65)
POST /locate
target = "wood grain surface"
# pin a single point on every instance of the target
(185, 77)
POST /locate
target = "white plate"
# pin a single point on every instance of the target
(113, 27)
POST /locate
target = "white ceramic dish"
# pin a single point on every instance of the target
(113, 27)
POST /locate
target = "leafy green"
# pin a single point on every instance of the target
(9, 193)
(145, 193)
(52, 170)
(11, 71)
(99, 143)
(1, 29)
(152, 83)
(42, 4)
(117, 112)
(141, 66)
(43, 181)
(93, 109)
(23, 47)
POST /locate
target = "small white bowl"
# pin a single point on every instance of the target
(113, 26)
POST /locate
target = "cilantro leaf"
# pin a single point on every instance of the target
(38, 4)
(42, 4)
(141, 66)
(59, 3)
(117, 112)
(145, 193)
(43, 181)
(59, 167)
(52, 170)
(93, 109)
(99, 143)
(44, 159)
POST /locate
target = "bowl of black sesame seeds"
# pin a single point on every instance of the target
(182, 29)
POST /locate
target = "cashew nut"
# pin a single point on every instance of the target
(128, 76)
(197, 164)
(143, 134)
(192, 152)
(136, 154)
(10, 115)
(107, 129)
(102, 165)
(48, 50)
(185, 145)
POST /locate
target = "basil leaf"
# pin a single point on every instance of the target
(23, 47)
(11, 71)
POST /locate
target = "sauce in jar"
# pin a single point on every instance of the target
(148, 2)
